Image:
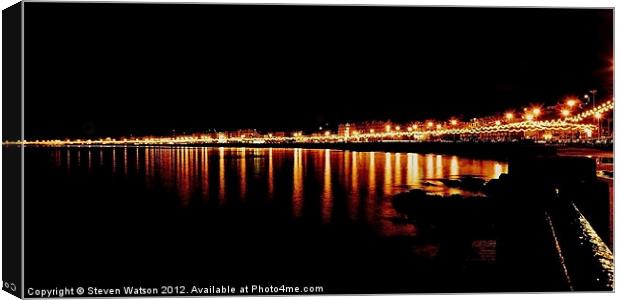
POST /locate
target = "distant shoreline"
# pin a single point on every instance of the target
(498, 151)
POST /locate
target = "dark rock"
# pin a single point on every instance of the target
(472, 183)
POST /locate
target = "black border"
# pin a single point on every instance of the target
(12, 254)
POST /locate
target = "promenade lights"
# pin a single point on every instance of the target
(571, 102)
(529, 117)
(509, 116)
(429, 124)
(397, 128)
(453, 122)
(410, 129)
(565, 112)
(536, 111)
(387, 128)
(498, 122)
(327, 133)
(598, 115)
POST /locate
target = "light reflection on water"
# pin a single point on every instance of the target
(345, 185)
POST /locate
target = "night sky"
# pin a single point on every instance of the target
(117, 69)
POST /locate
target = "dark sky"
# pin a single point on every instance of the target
(118, 69)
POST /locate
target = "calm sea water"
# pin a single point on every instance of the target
(347, 186)
(218, 214)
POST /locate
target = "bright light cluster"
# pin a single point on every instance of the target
(531, 121)
(519, 127)
(596, 112)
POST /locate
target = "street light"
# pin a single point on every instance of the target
(453, 122)
(598, 121)
(593, 92)
(571, 102)
(598, 115)
(509, 116)
(536, 111)
(565, 112)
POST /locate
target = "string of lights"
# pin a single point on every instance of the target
(583, 124)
